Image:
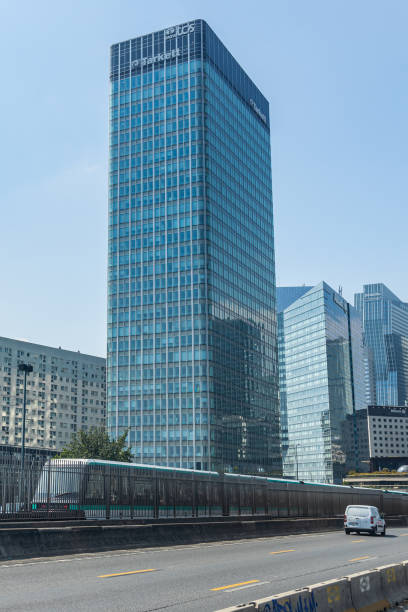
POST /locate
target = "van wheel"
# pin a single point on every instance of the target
(373, 532)
(347, 531)
(383, 532)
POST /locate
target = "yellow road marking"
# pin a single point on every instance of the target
(126, 573)
(360, 558)
(361, 540)
(278, 552)
(229, 586)
(404, 534)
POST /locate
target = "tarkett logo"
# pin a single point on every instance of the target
(145, 61)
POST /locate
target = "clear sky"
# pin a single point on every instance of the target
(336, 76)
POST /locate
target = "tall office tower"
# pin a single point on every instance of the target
(385, 324)
(285, 296)
(322, 375)
(192, 355)
(65, 392)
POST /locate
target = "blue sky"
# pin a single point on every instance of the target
(335, 74)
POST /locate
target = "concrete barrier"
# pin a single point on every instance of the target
(369, 591)
(20, 542)
(394, 582)
(292, 601)
(366, 591)
(332, 595)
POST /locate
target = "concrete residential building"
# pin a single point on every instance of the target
(385, 324)
(65, 393)
(322, 377)
(192, 348)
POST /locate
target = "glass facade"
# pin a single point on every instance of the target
(285, 296)
(322, 380)
(192, 354)
(385, 322)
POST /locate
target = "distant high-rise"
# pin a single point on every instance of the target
(192, 348)
(385, 324)
(285, 296)
(321, 361)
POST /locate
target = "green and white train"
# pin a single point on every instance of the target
(108, 489)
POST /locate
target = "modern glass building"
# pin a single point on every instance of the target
(192, 349)
(321, 361)
(385, 323)
(285, 296)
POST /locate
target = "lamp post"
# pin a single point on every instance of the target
(26, 368)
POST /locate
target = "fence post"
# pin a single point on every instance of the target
(193, 496)
(48, 488)
(266, 498)
(156, 497)
(225, 508)
(132, 495)
(107, 483)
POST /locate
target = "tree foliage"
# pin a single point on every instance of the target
(96, 444)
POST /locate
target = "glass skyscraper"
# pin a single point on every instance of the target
(321, 362)
(385, 322)
(285, 296)
(192, 350)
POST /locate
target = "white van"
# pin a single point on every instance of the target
(364, 518)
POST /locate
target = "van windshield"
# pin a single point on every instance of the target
(356, 511)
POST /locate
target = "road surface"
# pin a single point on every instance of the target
(202, 577)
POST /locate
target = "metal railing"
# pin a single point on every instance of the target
(82, 489)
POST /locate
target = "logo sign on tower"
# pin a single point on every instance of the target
(187, 28)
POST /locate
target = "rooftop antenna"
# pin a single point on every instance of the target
(340, 290)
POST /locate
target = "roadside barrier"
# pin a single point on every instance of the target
(366, 591)
(369, 591)
(300, 599)
(394, 582)
(20, 542)
(332, 596)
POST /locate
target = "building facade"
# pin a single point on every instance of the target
(388, 436)
(285, 296)
(385, 323)
(322, 376)
(65, 393)
(192, 350)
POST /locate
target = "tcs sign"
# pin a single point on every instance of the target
(187, 28)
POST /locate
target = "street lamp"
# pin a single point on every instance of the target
(26, 368)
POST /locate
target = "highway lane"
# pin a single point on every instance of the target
(202, 577)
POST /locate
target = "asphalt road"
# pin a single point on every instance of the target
(202, 577)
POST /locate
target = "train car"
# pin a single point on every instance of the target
(111, 489)
(108, 489)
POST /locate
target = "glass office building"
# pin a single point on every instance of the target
(285, 296)
(322, 382)
(192, 351)
(385, 323)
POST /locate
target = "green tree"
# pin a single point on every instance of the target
(96, 444)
